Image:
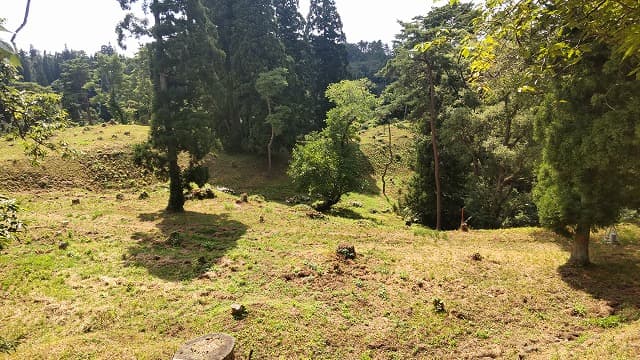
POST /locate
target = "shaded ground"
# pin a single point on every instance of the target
(186, 246)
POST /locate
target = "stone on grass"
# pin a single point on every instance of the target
(63, 245)
(238, 311)
(346, 251)
(208, 347)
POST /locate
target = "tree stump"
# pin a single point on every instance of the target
(208, 347)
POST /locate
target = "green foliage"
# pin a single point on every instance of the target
(427, 59)
(607, 322)
(248, 35)
(7, 52)
(32, 116)
(589, 165)
(271, 83)
(329, 164)
(328, 46)
(197, 174)
(145, 156)
(185, 62)
(366, 59)
(577, 60)
(9, 222)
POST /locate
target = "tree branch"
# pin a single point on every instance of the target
(24, 22)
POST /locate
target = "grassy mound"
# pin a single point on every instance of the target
(114, 277)
(103, 160)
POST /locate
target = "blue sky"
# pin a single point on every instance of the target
(88, 24)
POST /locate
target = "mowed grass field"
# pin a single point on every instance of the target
(115, 277)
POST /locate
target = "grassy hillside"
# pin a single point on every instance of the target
(117, 278)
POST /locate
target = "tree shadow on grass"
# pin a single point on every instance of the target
(345, 213)
(185, 245)
(613, 276)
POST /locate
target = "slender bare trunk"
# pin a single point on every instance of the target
(273, 135)
(580, 251)
(434, 143)
(386, 165)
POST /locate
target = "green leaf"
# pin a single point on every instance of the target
(526, 89)
(423, 47)
(15, 60)
(6, 47)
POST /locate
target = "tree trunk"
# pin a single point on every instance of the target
(176, 196)
(387, 165)
(580, 251)
(434, 142)
(273, 135)
(328, 203)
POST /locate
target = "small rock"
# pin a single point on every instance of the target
(226, 190)
(438, 305)
(476, 257)
(207, 276)
(63, 245)
(238, 311)
(315, 215)
(346, 251)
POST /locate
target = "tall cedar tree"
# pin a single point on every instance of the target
(291, 32)
(184, 60)
(590, 164)
(583, 57)
(247, 31)
(328, 44)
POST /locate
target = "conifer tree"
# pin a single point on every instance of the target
(328, 43)
(184, 64)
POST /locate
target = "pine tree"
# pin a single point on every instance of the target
(291, 32)
(328, 43)
(184, 65)
(248, 37)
